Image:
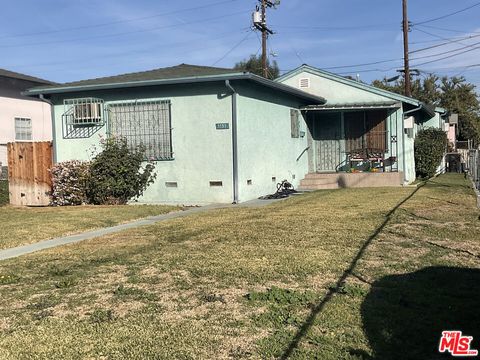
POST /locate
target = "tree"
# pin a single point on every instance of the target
(454, 94)
(426, 90)
(459, 97)
(430, 146)
(254, 65)
(117, 173)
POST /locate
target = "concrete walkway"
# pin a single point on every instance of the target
(46, 244)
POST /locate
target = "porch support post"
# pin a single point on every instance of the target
(343, 140)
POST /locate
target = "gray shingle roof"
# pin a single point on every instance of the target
(15, 75)
(173, 72)
(180, 74)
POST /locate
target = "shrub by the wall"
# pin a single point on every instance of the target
(118, 173)
(69, 181)
(430, 145)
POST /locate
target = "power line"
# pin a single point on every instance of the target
(328, 28)
(117, 22)
(260, 41)
(447, 15)
(455, 67)
(449, 41)
(386, 70)
(451, 30)
(233, 48)
(216, 18)
(393, 68)
(448, 57)
(364, 64)
(449, 52)
(118, 54)
(365, 71)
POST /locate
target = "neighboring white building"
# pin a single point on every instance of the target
(22, 118)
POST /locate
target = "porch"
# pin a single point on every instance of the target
(319, 181)
(353, 145)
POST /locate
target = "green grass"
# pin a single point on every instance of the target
(327, 275)
(24, 225)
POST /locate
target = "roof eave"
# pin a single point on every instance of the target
(358, 85)
(318, 100)
(107, 86)
(352, 106)
(430, 111)
(186, 80)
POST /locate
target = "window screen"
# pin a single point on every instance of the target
(23, 129)
(145, 123)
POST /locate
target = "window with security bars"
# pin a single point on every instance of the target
(145, 123)
(23, 129)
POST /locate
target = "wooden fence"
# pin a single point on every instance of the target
(29, 180)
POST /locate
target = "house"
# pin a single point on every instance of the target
(363, 135)
(22, 118)
(216, 135)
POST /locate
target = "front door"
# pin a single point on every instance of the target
(327, 135)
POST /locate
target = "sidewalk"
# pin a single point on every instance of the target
(71, 239)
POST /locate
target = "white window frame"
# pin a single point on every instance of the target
(25, 130)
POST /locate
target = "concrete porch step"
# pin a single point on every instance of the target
(320, 181)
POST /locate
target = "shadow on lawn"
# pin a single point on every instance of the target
(318, 308)
(404, 315)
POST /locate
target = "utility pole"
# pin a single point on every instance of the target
(260, 24)
(264, 39)
(406, 29)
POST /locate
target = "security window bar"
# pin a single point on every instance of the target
(23, 129)
(146, 124)
(86, 111)
(82, 117)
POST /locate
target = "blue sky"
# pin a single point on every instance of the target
(64, 40)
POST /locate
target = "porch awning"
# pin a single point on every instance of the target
(365, 106)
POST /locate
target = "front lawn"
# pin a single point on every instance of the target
(344, 274)
(25, 225)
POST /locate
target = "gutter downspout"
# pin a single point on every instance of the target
(52, 114)
(234, 141)
(405, 181)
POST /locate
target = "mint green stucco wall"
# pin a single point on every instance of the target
(201, 153)
(334, 91)
(265, 146)
(434, 122)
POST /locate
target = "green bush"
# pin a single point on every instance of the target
(430, 145)
(117, 173)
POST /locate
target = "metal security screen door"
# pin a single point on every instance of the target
(327, 133)
(145, 123)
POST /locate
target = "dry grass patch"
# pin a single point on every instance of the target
(49, 222)
(241, 282)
